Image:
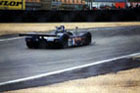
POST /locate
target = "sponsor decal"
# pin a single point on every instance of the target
(12, 4)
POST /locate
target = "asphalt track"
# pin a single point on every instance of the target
(17, 61)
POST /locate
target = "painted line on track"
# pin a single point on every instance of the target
(67, 69)
(8, 39)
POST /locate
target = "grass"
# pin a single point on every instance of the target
(12, 28)
(122, 82)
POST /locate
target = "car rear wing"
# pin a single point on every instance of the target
(42, 35)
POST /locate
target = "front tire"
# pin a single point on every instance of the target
(64, 41)
(88, 39)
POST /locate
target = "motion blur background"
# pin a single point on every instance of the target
(70, 4)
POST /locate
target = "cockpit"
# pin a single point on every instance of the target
(60, 29)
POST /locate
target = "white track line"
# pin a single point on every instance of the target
(8, 39)
(68, 69)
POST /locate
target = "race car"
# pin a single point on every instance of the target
(60, 38)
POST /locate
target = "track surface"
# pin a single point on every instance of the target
(17, 61)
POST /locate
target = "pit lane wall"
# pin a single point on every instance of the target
(12, 4)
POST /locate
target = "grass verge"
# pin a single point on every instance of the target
(122, 82)
(12, 28)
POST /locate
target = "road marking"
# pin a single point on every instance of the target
(68, 69)
(8, 39)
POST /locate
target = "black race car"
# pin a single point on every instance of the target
(60, 38)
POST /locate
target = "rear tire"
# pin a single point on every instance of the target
(29, 45)
(42, 45)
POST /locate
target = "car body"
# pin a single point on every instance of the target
(60, 38)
